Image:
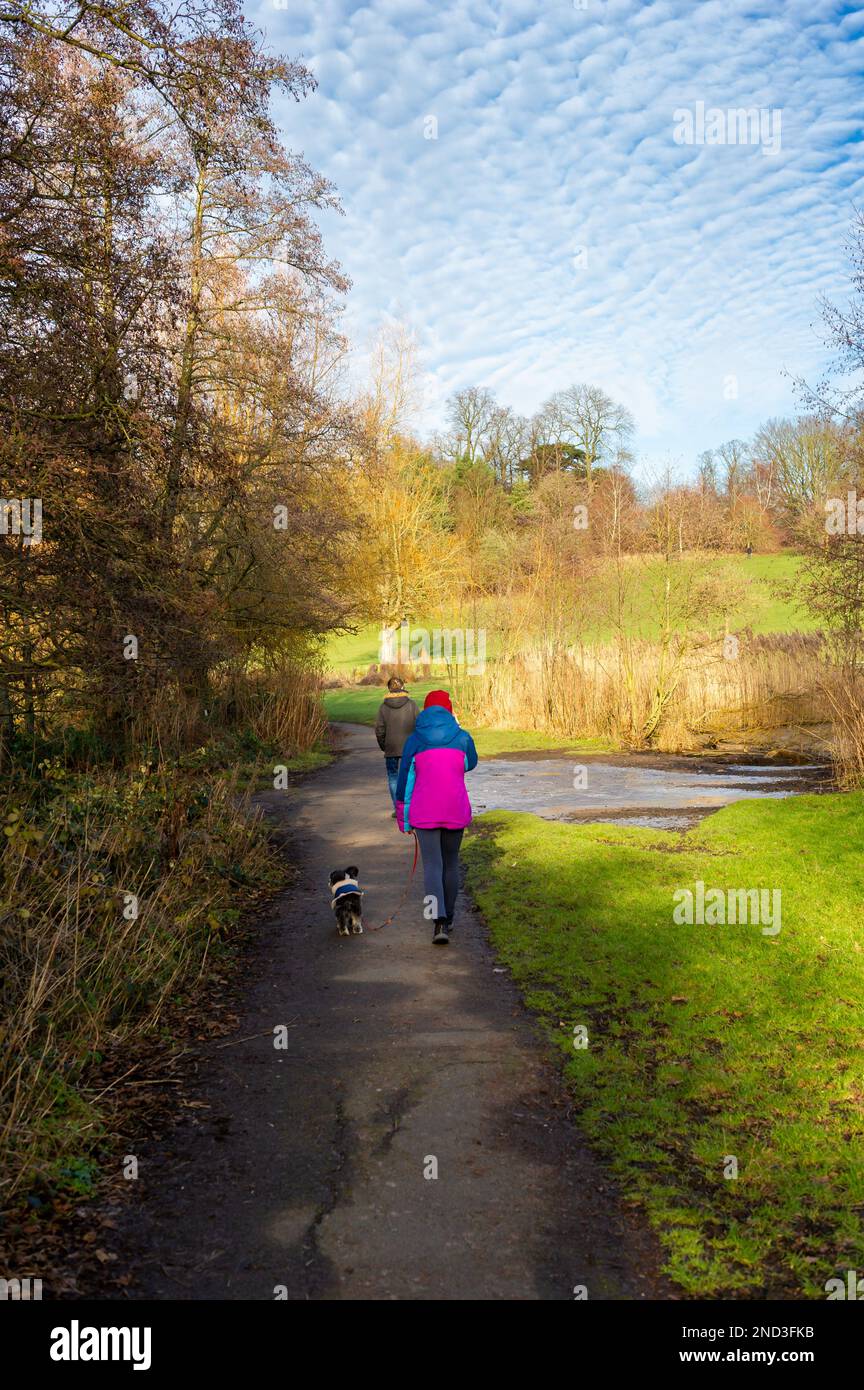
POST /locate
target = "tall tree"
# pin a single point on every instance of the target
(470, 417)
(599, 427)
(168, 358)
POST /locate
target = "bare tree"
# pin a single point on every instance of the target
(506, 444)
(470, 416)
(805, 460)
(733, 461)
(587, 417)
(707, 466)
(389, 404)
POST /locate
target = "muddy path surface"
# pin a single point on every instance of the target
(304, 1169)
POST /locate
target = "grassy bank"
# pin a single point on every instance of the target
(705, 1042)
(761, 609)
(358, 704)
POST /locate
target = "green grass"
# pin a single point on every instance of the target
(349, 651)
(358, 704)
(761, 610)
(768, 613)
(704, 1041)
(250, 758)
(490, 742)
(309, 761)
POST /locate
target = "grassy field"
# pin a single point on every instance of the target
(762, 610)
(358, 704)
(704, 1042)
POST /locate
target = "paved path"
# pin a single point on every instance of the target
(307, 1169)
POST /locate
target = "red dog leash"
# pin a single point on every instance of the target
(407, 889)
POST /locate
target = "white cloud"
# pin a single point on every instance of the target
(555, 131)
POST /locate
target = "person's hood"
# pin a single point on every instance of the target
(436, 726)
(397, 701)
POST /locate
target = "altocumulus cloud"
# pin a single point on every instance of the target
(555, 231)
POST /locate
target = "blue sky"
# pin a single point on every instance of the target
(555, 230)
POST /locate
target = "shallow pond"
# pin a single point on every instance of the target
(665, 793)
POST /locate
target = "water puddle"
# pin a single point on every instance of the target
(671, 797)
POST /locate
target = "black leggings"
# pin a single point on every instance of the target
(440, 850)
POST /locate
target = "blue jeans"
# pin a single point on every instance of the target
(392, 765)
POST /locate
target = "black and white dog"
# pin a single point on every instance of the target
(346, 900)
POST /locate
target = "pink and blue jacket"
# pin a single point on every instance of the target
(431, 791)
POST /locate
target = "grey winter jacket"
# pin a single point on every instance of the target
(394, 723)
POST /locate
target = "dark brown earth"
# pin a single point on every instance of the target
(818, 776)
(303, 1169)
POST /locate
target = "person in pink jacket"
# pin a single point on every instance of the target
(431, 800)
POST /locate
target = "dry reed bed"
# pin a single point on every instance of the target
(638, 693)
(281, 705)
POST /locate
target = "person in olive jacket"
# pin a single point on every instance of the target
(396, 718)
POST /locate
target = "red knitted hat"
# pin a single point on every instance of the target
(438, 697)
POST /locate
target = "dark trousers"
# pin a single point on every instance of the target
(392, 765)
(440, 851)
